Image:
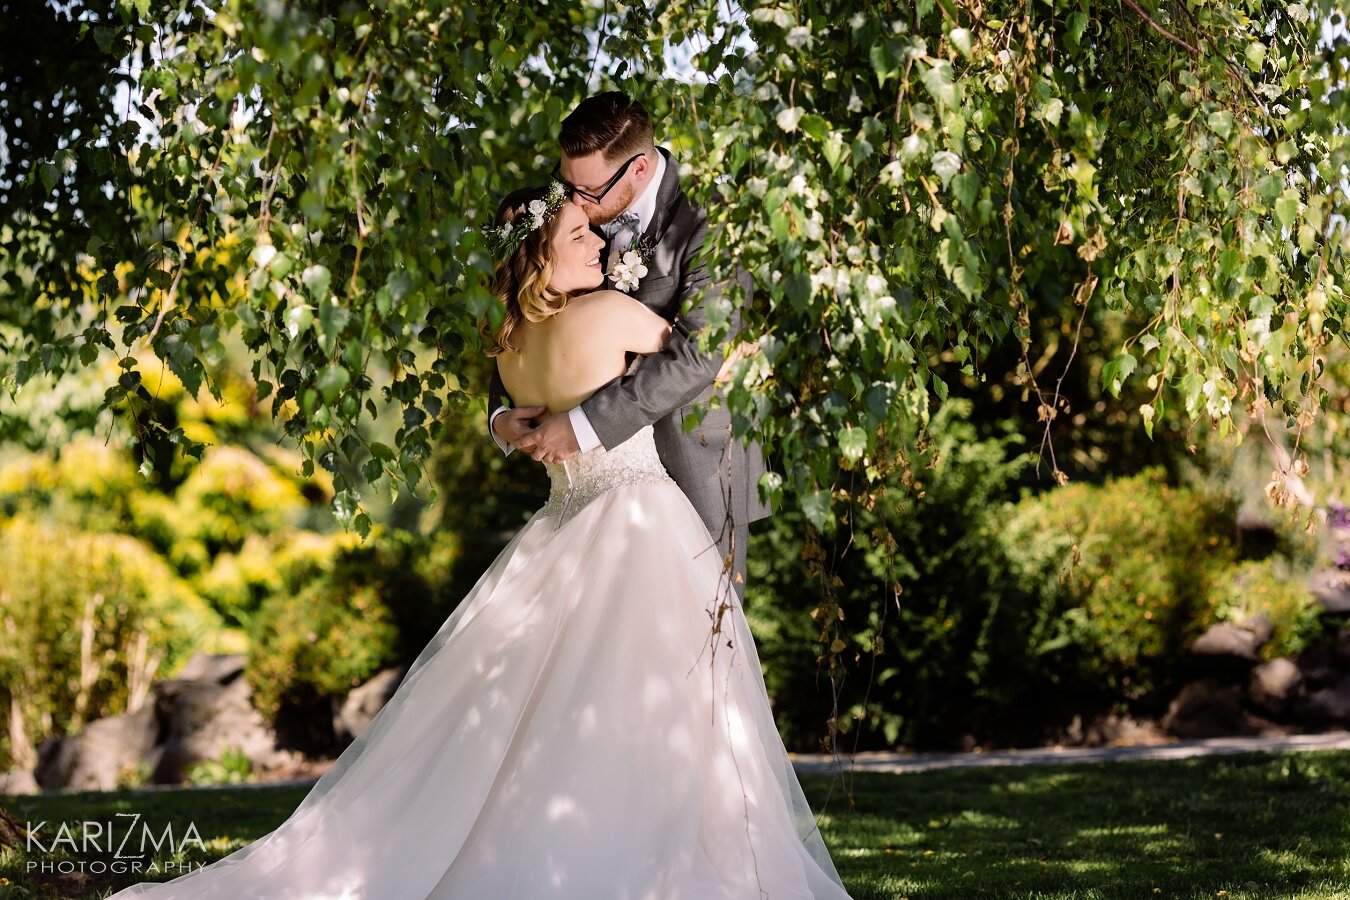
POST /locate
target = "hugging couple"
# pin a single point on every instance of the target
(591, 721)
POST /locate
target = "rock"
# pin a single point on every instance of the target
(354, 713)
(1203, 709)
(95, 758)
(1331, 588)
(201, 720)
(221, 668)
(1318, 665)
(18, 781)
(1342, 647)
(1274, 684)
(1329, 705)
(1111, 730)
(1235, 641)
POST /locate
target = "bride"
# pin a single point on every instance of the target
(591, 721)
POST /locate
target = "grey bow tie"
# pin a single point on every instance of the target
(627, 220)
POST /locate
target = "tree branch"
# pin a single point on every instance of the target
(1161, 30)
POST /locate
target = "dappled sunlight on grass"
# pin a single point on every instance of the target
(1261, 825)
(1233, 828)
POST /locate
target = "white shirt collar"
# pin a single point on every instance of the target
(645, 205)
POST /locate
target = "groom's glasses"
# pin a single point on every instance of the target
(605, 189)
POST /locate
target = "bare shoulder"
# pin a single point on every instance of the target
(604, 302)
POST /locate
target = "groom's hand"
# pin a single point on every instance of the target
(514, 424)
(553, 441)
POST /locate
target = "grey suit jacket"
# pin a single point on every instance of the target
(718, 474)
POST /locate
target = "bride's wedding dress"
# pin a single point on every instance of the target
(576, 729)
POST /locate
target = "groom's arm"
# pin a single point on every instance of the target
(497, 390)
(676, 375)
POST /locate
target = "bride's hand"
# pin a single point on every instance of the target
(738, 353)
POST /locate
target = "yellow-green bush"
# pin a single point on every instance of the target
(234, 494)
(1154, 562)
(337, 618)
(60, 587)
(1273, 588)
(89, 485)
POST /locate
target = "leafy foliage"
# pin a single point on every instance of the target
(1154, 562)
(82, 641)
(330, 628)
(901, 180)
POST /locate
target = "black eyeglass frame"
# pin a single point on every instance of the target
(609, 185)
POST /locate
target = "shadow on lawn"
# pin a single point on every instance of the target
(1252, 826)
(1257, 826)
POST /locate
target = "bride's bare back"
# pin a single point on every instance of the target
(564, 359)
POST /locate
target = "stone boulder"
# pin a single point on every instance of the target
(1319, 667)
(221, 668)
(353, 713)
(17, 782)
(200, 720)
(1330, 705)
(1205, 709)
(1238, 642)
(1274, 685)
(1331, 588)
(95, 758)
(1342, 647)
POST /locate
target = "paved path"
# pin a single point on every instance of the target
(925, 762)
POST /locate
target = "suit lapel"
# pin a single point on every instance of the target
(666, 196)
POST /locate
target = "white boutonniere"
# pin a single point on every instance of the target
(630, 267)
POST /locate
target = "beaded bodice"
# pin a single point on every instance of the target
(584, 477)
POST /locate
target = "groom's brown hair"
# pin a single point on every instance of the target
(611, 123)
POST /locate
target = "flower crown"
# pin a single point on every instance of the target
(503, 240)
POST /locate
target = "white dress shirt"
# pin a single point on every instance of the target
(645, 207)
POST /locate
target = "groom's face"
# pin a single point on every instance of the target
(591, 173)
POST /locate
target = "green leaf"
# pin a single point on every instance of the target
(817, 507)
(1286, 208)
(960, 38)
(852, 443)
(938, 79)
(331, 381)
(1221, 122)
(885, 59)
(345, 506)
(316, 279)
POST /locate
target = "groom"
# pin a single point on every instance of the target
(630, 189)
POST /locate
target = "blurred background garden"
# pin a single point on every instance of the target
(1050, 362)
(1159, 593)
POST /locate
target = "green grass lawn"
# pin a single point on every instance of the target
(1257, 826)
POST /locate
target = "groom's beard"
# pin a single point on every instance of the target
(605, 212)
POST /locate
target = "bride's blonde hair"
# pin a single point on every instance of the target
(521, 280)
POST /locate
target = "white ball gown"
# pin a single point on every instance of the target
(576, 730)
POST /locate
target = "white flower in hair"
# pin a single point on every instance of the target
(502, 241)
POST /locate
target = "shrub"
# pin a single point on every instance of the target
(986, 628)
(1154, 559)
(234, 494)
(87, 621)
(86, 485)
(926, 570)
(1273, 587)
(335, 621)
